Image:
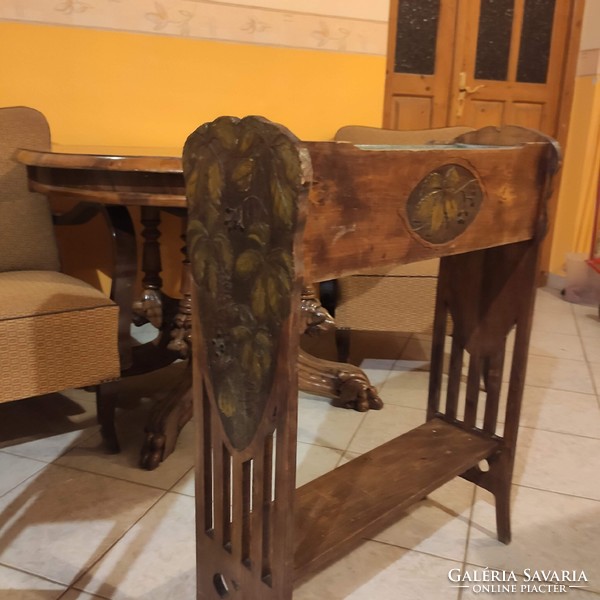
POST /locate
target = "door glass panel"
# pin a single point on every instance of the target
(416, 35)
(536, 39)
(493, 39)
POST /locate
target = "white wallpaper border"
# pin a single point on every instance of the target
(335, 25)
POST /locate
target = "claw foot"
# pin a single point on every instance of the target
(356, 392)
(153, 450)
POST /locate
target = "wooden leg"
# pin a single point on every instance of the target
(345, 384)
(173, 410)
(168, 417)
(106, 402)
(149, 306)
(342, 344)
(181, 334)
(503, 513)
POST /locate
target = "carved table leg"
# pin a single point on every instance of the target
(149, 306)
(173, 410)
(168, 417)
(346, 384)
(181, 335)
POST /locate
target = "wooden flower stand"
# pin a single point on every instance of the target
(268, 213)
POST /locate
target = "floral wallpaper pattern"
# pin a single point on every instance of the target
(338, 25)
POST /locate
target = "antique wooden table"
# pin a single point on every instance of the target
(151, 178)
(267, 213)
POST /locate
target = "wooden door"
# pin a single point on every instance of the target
(479, 62)
(483, 62)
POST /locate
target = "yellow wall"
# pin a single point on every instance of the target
(574, 224)
(107, 87)
(116, 88)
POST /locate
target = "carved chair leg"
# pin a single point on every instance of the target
(106, 402)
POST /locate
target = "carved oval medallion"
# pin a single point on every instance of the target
(444, 203)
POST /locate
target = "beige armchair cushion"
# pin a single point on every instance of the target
(399, 299)
(57, 332)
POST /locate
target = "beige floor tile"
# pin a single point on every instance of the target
(47, 415)
(186, 485)
(325, 425)
(549, 531)
(377, 370)
(558, 462)
(437, 525)
(59, 521)
(418, 348)
(595, 370)
(591, 346)
(89, 455)
(15, 469)
(554, 319)
(559, 374)
(588, 319)
(406, 385)
(45, 427)
(51, 447)
(380, 426)
(560, 411)
(553, 313)
(313, 461)
(154, 560)
(555, 345)
(74, 594)
(377, 571)
(16, 585)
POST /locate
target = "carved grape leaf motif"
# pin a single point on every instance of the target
(444, 203)
(243, 179)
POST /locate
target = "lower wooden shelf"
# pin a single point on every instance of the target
(370, 492)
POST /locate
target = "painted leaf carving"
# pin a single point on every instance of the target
(243, 180)
(242, 173)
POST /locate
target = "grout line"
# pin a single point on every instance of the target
(468, 537)
(37, 575)
(586, 355)
(565, 494)
(85, 570)
(109, 476)
(575, 435)
(24, 480)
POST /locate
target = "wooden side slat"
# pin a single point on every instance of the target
(493, 386)
(454, 377)
(336, 510)
(473, 388)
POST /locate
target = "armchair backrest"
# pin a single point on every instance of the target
(27, 239)
(359, 134)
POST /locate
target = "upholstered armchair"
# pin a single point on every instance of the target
(399, 299)
(56, 332)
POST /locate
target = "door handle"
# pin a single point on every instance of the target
(463, 91)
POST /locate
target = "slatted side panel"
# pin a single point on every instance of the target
(474, 382)
(246, 183)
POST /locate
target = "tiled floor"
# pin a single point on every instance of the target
(77, 524)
